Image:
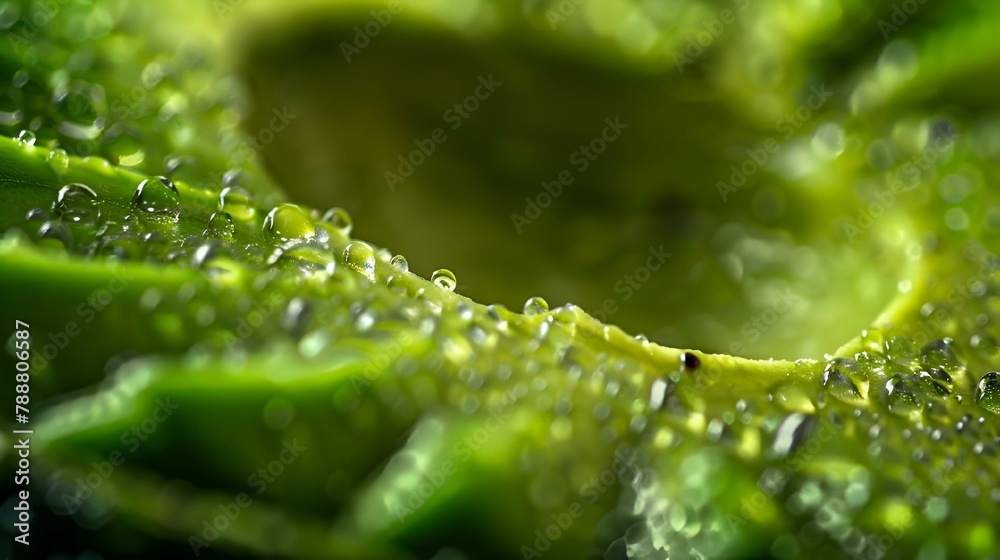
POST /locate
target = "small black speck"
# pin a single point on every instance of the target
(690, 361)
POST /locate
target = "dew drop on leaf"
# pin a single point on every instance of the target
(237, 202)
(157, 195)
(340, 219)
(361, 258)
(220, 224)
(286, 222)
(77, 203)
(399, 261)
(26, 138)
(535, 306)
(58, 160)
(445, 279)
(988, 392)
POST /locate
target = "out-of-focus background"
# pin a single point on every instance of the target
(699, 85)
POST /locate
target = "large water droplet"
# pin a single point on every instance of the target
(838, 382)
(988, 392)
(444, 279)
(340, 219)
(220, 224)
(26, 138)
(941, 353)
(77, 203)
(286, 222)
(237, 202)
(936, 381)
(535, 306)
(158, 196)
(399, 261)
(901, 394)
(361, 258)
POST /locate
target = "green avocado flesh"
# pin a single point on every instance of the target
(795, 202)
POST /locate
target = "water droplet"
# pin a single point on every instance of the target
(936, 380)
(237, 202)
(902, 394)
(204, 253)
(26, 138)
(220, 224)
(985, 344)
(295, 319)
(36, 215)
(900, 349)
(340, 219)
(444, 279)
(535, 306)
(58, 160)
(792, 432)
(657, 394)
(58, 231)
(399, 261)
(838, 382)
(361, 258)
(988, 392)
(844, 380)
(941, 354)
(77, 203)
(157, 195)
(286, 222)
(234, 177)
